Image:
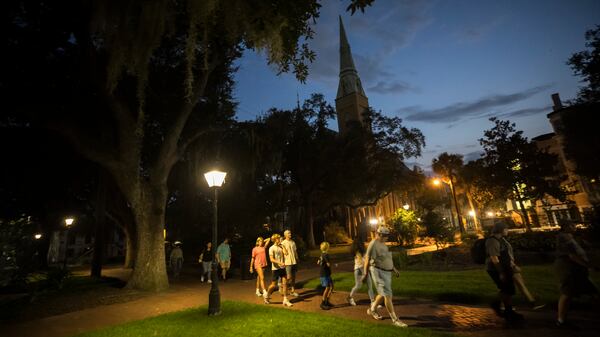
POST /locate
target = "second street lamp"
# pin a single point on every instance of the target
(214, 179)
(68, 224)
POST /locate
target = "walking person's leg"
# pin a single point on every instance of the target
(261, 278)
(208, 270)
(357, 285)
(520, 283)
(370, 288)
(286, 302)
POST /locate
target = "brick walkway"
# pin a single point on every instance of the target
(188, 292)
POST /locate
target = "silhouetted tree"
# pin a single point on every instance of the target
(516, 166)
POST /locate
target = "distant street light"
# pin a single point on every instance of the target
(214, 179)
(472, 213)
(68, 223)
(373, 222)
(490, 214)
(406, 207)
(436, 182)
(37, 236)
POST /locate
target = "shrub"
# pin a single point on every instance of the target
(335, 233)
(18, 253)
(406, 225)
(533, 241)
(438, 228)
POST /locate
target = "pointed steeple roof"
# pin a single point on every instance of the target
(349, 80)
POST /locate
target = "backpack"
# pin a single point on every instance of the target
(478, 253)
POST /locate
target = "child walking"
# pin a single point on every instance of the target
(326, 281)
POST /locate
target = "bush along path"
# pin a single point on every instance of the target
(188, 292)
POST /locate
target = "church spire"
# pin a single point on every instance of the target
(351, 101)
(349, 80)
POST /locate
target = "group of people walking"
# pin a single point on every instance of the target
(283, 255)
(375, 266)
(571, 266)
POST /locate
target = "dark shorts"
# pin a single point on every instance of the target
(277, 273)
(326, 281)
(291, 270)
(506, 287)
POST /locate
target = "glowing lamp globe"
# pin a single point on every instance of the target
(215, 178)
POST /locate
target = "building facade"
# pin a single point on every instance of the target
(583, 193)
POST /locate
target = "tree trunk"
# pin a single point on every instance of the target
(472, 206)
(150, 272)
(458, 216)
(130, 249)
(523, 210)
(100, 228)
(310, 224)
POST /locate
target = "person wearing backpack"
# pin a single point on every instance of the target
(499, 266)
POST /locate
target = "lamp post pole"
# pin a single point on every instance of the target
(214, 179)
(68, 223)
(214, 297)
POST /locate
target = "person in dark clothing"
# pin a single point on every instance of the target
(206, 258)
(572, 267)
(498, 265)
(325, 273)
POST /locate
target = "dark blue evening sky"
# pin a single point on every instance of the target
(443, 66)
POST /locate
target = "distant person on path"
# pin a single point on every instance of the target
(224, 257)
(176, 259)
(291, 261)
(380, 265)
(276, 254)
(325, 274)
(259, 263)
(206, 258)
(572, 267)
(359, 253)
(499, 267)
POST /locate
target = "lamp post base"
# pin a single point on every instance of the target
(214, 297)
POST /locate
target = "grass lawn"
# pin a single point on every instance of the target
(464, 286)
(243, 319)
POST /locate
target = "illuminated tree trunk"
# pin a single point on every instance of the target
(150, 272)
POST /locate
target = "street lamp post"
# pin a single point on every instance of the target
(68, 224)
(437, 182)
(214, 179)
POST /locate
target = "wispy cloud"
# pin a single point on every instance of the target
(474, 109)
(393, 87)
(471, 156)
(477, 32)
(387, 26)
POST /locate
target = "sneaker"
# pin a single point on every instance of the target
(324, 306)
(536, 306)
(399, 323)
(258, 293)
(209, 281)
(374, 314)
(351, 301)
(497, 309)
(202, 279)
(287, 303)
(266, 298)
(566, 325)
(379, 306)
(294, 293)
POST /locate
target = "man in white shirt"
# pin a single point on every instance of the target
(380, 266)
(291, 261)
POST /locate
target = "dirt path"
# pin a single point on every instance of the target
(188, 292)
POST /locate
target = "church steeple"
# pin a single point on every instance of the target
(351, 100)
